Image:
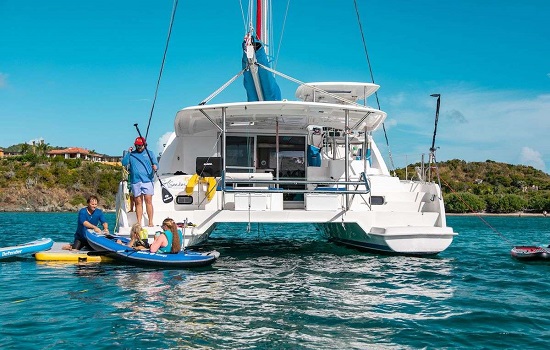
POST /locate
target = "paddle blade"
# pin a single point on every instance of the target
(166, 196)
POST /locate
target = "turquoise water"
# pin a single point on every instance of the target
(283, 288)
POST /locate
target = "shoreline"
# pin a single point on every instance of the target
(518, 214)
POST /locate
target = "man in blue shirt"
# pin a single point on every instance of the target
(89, 218)
(142, 166)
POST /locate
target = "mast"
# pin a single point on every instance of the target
(263, 8)
(259, 83)
(261, 34)
(259, 19)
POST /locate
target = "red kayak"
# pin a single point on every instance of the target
(525, 252)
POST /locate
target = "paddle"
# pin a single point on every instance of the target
(166, 195)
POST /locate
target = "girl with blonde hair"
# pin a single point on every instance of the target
(138, 238)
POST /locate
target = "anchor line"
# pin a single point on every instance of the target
(476, 214)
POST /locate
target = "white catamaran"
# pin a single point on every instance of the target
(272, 160)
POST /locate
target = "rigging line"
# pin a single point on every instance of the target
(219, 90)
(162, 65)
(242, 14)
(372, 79)
(305, 84)
(281, 38)
(365, 48)
(437, 174)
(476, 214)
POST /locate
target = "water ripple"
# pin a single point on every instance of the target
(283, 288)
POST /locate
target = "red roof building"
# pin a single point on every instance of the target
(75, 153)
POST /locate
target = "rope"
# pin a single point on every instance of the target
(162, 65)
(372, 79)
(311, 86)
(476, 214)
(281, 38)
(215, 93)
(242, 14)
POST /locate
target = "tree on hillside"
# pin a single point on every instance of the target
(25, 148)
(42, 148)
(463, 202)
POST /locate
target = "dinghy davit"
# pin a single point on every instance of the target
(531, 253)
(25, 248)
(107, 245)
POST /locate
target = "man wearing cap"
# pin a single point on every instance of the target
(141, 177)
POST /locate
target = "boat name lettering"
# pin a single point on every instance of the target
(174, 183)
(13, 252)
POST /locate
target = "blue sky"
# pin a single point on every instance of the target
(81, 73)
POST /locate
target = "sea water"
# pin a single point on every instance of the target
(282, 287)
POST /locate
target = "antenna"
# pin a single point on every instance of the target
(432, 149)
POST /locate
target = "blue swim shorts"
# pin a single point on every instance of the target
(145, 188)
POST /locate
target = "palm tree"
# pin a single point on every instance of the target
(42, 148)
(25, 148)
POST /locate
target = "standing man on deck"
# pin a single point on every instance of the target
(141, 177)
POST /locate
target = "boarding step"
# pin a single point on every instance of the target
(412, 207)
(388, 219)
(403, 196)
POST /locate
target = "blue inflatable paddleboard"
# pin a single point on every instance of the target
(26, 248)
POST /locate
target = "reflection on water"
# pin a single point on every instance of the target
(293, 290)
(282, 287)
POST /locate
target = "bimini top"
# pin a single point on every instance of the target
(264, 115)
(346, 90)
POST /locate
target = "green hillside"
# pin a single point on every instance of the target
(34, 182)
(492, 187)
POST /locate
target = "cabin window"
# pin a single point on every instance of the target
(291, 161)
(239, 154)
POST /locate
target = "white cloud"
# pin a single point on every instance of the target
(533, 158)
(474, 125)
(397, 100)
(3, 80)
(162, 141)
(456, 116)
(36, 141)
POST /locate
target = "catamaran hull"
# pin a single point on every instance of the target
(392, 240)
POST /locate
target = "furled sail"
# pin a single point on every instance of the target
(266, 83)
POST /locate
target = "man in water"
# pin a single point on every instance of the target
(88, 219)
(142, 167)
